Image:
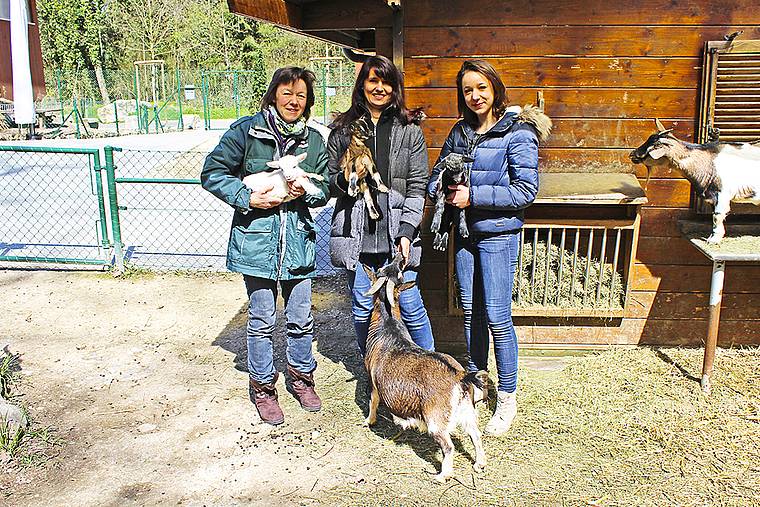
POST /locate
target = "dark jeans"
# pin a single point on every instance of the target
(486, 270)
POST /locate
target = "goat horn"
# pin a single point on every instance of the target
(389, 292)
(376, 286)
(660, 128)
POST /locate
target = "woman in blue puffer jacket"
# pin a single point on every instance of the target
(503, 142)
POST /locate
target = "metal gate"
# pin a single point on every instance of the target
(53, 206)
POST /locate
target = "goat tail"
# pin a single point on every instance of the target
(477, 381)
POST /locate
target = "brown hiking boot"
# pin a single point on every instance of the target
(265, 399)
(303, 386)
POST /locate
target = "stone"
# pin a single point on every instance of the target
(12, 418)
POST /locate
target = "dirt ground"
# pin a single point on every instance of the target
(144, 381)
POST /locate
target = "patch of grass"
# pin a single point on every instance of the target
(132, 271)
(24, 445)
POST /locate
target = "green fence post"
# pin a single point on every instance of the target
(237, 95)
(114, 206)
(324, 96)
(137, 104)
(60, 97)
(205, 102)
(181, 123)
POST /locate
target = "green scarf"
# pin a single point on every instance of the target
(284, 128)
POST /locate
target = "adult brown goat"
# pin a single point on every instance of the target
(427, 390)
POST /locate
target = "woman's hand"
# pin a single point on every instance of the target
(460, 197)
(262, 199)
(295, 189)
(403, 246)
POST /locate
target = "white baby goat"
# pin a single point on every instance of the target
(287, 171)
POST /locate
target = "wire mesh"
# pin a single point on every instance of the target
(169, 222)
(50, 210)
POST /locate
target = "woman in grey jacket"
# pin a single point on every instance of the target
(400, 155)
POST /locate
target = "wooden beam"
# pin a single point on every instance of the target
(278, 12)
(398, 38)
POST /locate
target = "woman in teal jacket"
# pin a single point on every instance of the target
(272, 240)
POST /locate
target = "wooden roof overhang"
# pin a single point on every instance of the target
(348, 24)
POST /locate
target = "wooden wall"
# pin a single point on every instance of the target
(605, 71)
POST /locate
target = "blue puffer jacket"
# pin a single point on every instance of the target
(504, 175)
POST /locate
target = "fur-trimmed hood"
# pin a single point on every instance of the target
(536, 117)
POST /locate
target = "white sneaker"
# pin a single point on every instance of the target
(506, 410)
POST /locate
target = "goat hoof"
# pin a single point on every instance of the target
(369, 422)
(440, 478)
(713, 240)
(479, 467)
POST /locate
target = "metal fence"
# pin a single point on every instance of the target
(139, 208)
(160, 99)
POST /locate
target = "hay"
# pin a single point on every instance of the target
(570, 291)
(618, 428)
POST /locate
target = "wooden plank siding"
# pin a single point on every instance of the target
(605, 71)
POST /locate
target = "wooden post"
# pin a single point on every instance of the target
(398, 38)
(716, 295)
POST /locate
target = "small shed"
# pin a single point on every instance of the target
(602, 72)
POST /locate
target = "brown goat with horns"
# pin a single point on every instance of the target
(422, 389)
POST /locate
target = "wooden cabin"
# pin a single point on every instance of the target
(602, 72)
(35, 53)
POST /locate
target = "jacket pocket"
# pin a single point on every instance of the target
(301, 253)
(255, 245)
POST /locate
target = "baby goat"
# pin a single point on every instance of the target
(358, 161)
(287, 172)
(427, 390)
(719, 172)
(453, 171)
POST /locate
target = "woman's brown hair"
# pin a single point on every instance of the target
(288, 75)
(389, 73)
(500, 98)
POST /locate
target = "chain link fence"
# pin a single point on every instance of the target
(148, 211)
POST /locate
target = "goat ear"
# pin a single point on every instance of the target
(274, 164)
(657, 153)
(301, 157)
(406, 285)
(467, 160)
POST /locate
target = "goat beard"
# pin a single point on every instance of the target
(649, 174)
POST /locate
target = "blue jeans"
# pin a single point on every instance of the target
(486, 271)
(262, 296)
(413, 311)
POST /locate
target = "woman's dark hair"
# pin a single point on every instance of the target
(387, 71)
(288, 75)
(500, 99)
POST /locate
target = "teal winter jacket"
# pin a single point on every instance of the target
(277, 243)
